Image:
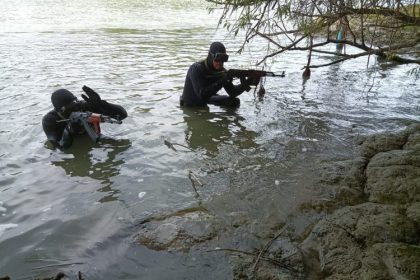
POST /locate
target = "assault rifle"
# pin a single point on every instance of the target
(91, 122)
(253, 75)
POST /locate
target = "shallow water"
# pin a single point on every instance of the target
(76, 210)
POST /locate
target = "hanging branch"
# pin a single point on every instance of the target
(275, 20)
(307, 72)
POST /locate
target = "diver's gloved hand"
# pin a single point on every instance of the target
(245, 84)
(226, 78)
(93, 100)
(92, 97)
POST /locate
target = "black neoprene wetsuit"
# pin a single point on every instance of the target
(202, 84)
(60, 133)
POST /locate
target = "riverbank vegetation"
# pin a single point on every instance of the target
(388, 29)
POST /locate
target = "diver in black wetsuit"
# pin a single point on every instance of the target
(60, 133)
(205, 78)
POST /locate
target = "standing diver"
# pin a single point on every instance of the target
(59, 131)
(205, 78)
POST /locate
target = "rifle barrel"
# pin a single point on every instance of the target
(272, 74)
(254, 72)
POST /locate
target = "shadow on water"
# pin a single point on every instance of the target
(98, 161)
(210, 130)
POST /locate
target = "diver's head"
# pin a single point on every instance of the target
(217, 56)
(62, 99)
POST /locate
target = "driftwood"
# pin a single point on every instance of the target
(260, 256)
(264, 250)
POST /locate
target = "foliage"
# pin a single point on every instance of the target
(389, 29)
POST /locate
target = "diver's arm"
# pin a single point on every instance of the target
(236, 90)
(113, 110)
(58, 133)
(66, 137)
(95, 104)
(199, 82)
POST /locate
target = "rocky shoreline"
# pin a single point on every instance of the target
(378, 238)
(369, 230)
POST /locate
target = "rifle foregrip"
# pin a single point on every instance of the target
(90, 131)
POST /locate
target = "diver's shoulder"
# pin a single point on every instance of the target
(197, 67)
(51, 116)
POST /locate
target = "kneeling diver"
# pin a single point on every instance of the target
(205, 78)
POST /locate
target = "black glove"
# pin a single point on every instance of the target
(225, 79)
(93, 100)
(245, 84)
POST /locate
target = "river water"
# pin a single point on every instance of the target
(77, 210)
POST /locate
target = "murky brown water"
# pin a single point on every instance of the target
(76, 210)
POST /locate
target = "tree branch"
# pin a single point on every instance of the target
(274, 20)
(384, 12)
(282, 50)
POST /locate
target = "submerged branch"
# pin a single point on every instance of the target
(266, 247)
(274, 261)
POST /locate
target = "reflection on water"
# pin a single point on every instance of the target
(101, 163)
(207, 130)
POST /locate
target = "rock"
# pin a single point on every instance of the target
(379, 223)
(282, 260)
(178, 232)
(413, 128)
(355, 177)
(413, 141)
(391, 261)
(394, 177)
(288, 252)
(392, 168)
(342, 240)
(368, 229)
(413, 212)
(381, 143)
